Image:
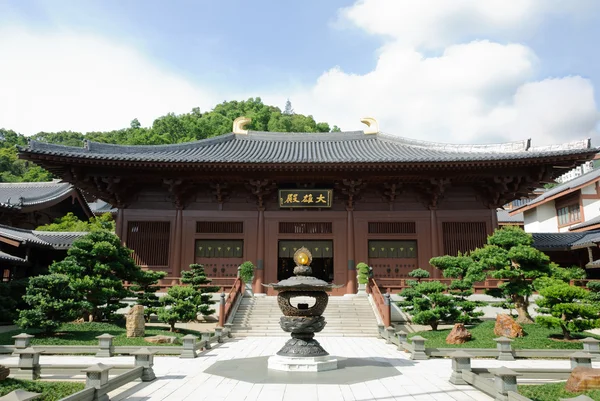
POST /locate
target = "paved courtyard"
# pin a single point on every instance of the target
(370, 369)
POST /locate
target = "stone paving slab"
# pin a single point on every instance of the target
(236, 370)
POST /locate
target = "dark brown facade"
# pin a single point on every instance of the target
(390, 202)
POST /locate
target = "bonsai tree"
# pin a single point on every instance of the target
(247, 272)
(428, 304)
(363, 273)
(465, 272)
(97, 265)
(509, 256)
(196, 278)
(179, 305)
(568, 307)
(419, 274)
(51, 301)
(145, 288)
(70, 222)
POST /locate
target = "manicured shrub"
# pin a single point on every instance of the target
(247, 272)
(197, 279)
(363, 273)
(179, 305)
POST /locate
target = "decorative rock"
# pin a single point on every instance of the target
(4, 372)
(507, 327)
(583, 379)
(136, 323)
(162, 340)
(458, 335)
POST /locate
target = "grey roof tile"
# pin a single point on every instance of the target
(101, 207)
(504, 217)
(46, 239)
(587, 223)
(13, 259)
(21, 194)
(555, 241)
(332, 147)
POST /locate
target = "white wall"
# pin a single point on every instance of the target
(542, 219)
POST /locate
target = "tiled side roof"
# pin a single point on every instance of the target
(588, 223)
(577, 182)
(22, 194)
(555, 241)
(594, 264)
(100, 207)
(46, 239)
(12, 259)
(565, 241)
(504, 217)
(332, 147)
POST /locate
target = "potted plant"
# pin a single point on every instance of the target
(246, 271)
(363, 275)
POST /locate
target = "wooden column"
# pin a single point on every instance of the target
(494, 220)
(351, 278)
(260, 253)
(177, 245)
(435, 240)
(119, 224)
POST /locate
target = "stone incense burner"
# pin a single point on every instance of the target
(302, 352)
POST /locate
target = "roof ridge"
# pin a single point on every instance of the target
(517, 146)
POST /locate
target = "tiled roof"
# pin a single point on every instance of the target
(46, 239)
(101, 207)
(565, 241)
(588, 223)
(23, 194)
(331, 147)
(574, 183)
(504, 217)
(594, 264)
(12, 259)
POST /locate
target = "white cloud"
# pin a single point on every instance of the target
(478, 91)
(68, 81)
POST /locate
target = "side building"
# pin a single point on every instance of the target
(347, 196)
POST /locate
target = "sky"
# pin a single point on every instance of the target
(460, 71)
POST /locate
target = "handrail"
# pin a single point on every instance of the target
(383, 305)
(227, 305)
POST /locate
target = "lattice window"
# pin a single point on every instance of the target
(149, 241)
(219, 248)
(219, 227)
(398, 227)
(305, 228)
(463, 237)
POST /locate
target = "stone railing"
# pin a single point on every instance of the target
(98, 383)
(502, 352)
(105, 348)
(226, 306)
(501, 383)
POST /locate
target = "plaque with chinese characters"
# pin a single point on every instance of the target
(304, 198)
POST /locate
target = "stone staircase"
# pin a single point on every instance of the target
(345, 316)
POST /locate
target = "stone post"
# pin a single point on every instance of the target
(228, 327)
(105, 346)
(505, 380)
(592, 346)
(29, 364)
(381, 330)
(504, 349)
(145, 358)
(461, 361)
(580, 358)
(387, 318)
(219, 334)
(402, 337)
(418, 349)
(390, 333)
(206, 339)
(222, 310)
(189, 346)
(22, 340)
(20, 395)
(97, 377)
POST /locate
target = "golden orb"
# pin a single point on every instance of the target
(303, 257)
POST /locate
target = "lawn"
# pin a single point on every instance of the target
(536, 337)
(553, 392)
(86, 333)
(51, 391)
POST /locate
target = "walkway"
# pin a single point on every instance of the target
(236, 370)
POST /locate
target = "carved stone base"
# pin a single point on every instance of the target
(302, 364)
(302, 347)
